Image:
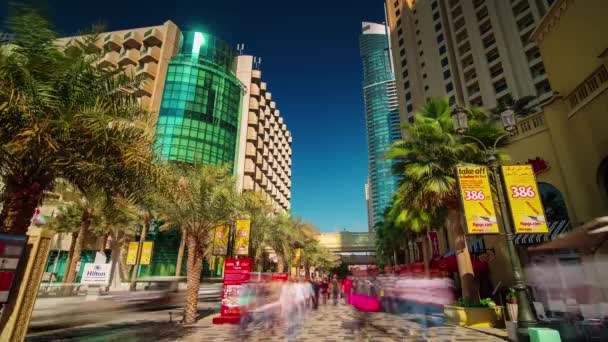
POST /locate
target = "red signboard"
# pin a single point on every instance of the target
(236, 273)
(280, 276)
(11, 251)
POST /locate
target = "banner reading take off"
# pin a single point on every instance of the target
(524, 199)
(243, 229)
(220, 240)
(476, 196)
(132, 253)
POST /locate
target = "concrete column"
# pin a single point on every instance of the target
(39, 246)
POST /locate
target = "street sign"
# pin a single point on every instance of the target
(96, 274)
(524, 199)
(476, 198)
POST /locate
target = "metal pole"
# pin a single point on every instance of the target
(525, 314)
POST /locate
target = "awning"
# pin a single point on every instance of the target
(590, 235)
(451, 265)
(478, 246)
(555, 229)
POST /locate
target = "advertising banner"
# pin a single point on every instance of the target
(132, 253)
(434, 239)
(236, 273)
(220, 240)
(243, 230)
(296, 260)
(146, 253)
(476, 198)
(524, 199)
(11, 252)
(96, 274)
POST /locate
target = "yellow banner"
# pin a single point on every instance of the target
(146, 253)
(524, 199)
(294, 271)
(297, 257)
(243, 230)
(476, 197)
(220, 240)
(132, 253)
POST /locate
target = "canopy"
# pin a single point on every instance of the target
(590, 235)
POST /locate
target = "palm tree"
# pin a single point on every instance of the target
(283, 235)
(428, 158)
(258, 210)
(197, 199)
(65, 117)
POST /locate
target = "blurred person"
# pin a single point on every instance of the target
(324, 290)
(315, 288)
(335, 288)
(347, 285)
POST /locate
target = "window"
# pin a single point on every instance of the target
(477, 3)
(532, 54)
(402, 52)
(488, 41)
(417, 32)
(492, 55)
(396, 4)
(424, 76)
(435, 15)
(409, 108)
(461, 36)
(437, 27)
(403, 63)
(452, 100)
(420, 42)
(467, 61)
(466, 47)
(521, 7)
(426, 87)
(496, 70)
(410, 119)
(449, 87)
(406, 85)
(442, 49)
(422, 64)
(444, 61)
(421, 53)
(446, 74)
(400, 31)
(405, 74)
(525, 21)
(440, 38)
(459, 24)
(457, 12)
(401, 42)
(485, 27)
(434, 5)
(408, 96)
(416, 22)
(482, 13)
(500, 85)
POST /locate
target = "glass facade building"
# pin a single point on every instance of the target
(198, 121)
(381, 115)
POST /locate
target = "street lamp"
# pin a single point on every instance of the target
(525, 315)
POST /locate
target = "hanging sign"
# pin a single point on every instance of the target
(524, 200)
(220, 240)
(243, 230)
(146, 253)
(11, 252)
(476, 198)
(132, 253)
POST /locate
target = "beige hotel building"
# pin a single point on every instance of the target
(475, 52)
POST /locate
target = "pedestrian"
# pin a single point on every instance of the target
(335, 289)
(316, 287)
(347, 285)
(324, 290)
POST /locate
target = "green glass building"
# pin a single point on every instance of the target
(198, 121)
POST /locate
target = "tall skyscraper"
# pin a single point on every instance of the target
(476, 52)
(381, 114)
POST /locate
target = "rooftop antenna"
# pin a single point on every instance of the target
(240, 48)
(257, 61)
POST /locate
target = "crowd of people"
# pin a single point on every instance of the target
(284, 304)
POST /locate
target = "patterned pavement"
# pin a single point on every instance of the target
(340, 323)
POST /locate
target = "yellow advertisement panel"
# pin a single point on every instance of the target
(297, 257)
(294, 271)
(243, 230)
(220, 240)
(146, 253)
(132, 253)
(476, 197)
(524, 199)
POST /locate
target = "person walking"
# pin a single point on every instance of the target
(335, 289)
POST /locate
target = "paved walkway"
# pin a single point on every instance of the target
(339, 323)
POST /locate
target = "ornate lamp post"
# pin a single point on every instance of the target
(525, 315)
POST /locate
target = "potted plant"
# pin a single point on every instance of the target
(512, 304)
(485, 313)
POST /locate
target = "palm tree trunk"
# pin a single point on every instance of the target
(470, 291)
(426, 254)
(115, 275)
(280, 264)
(395, 256)
(195, 267)
(180, 254)
(21, 197)
(70, 273)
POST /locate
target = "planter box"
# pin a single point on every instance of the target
(474, 317)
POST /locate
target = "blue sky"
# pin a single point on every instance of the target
(310, 60)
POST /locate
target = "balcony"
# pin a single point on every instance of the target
(254, 105)
(252, 119)
(132, 40)
(528, 126)
(153, 37)
(254, 90)
(249, 166)
(112, 42)
(150, 54)
(148, 70)
(258, 159)
(146, 89)
(130, 56)
(110, 59)
(256, 74)
(258, 174)
(251, 134)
